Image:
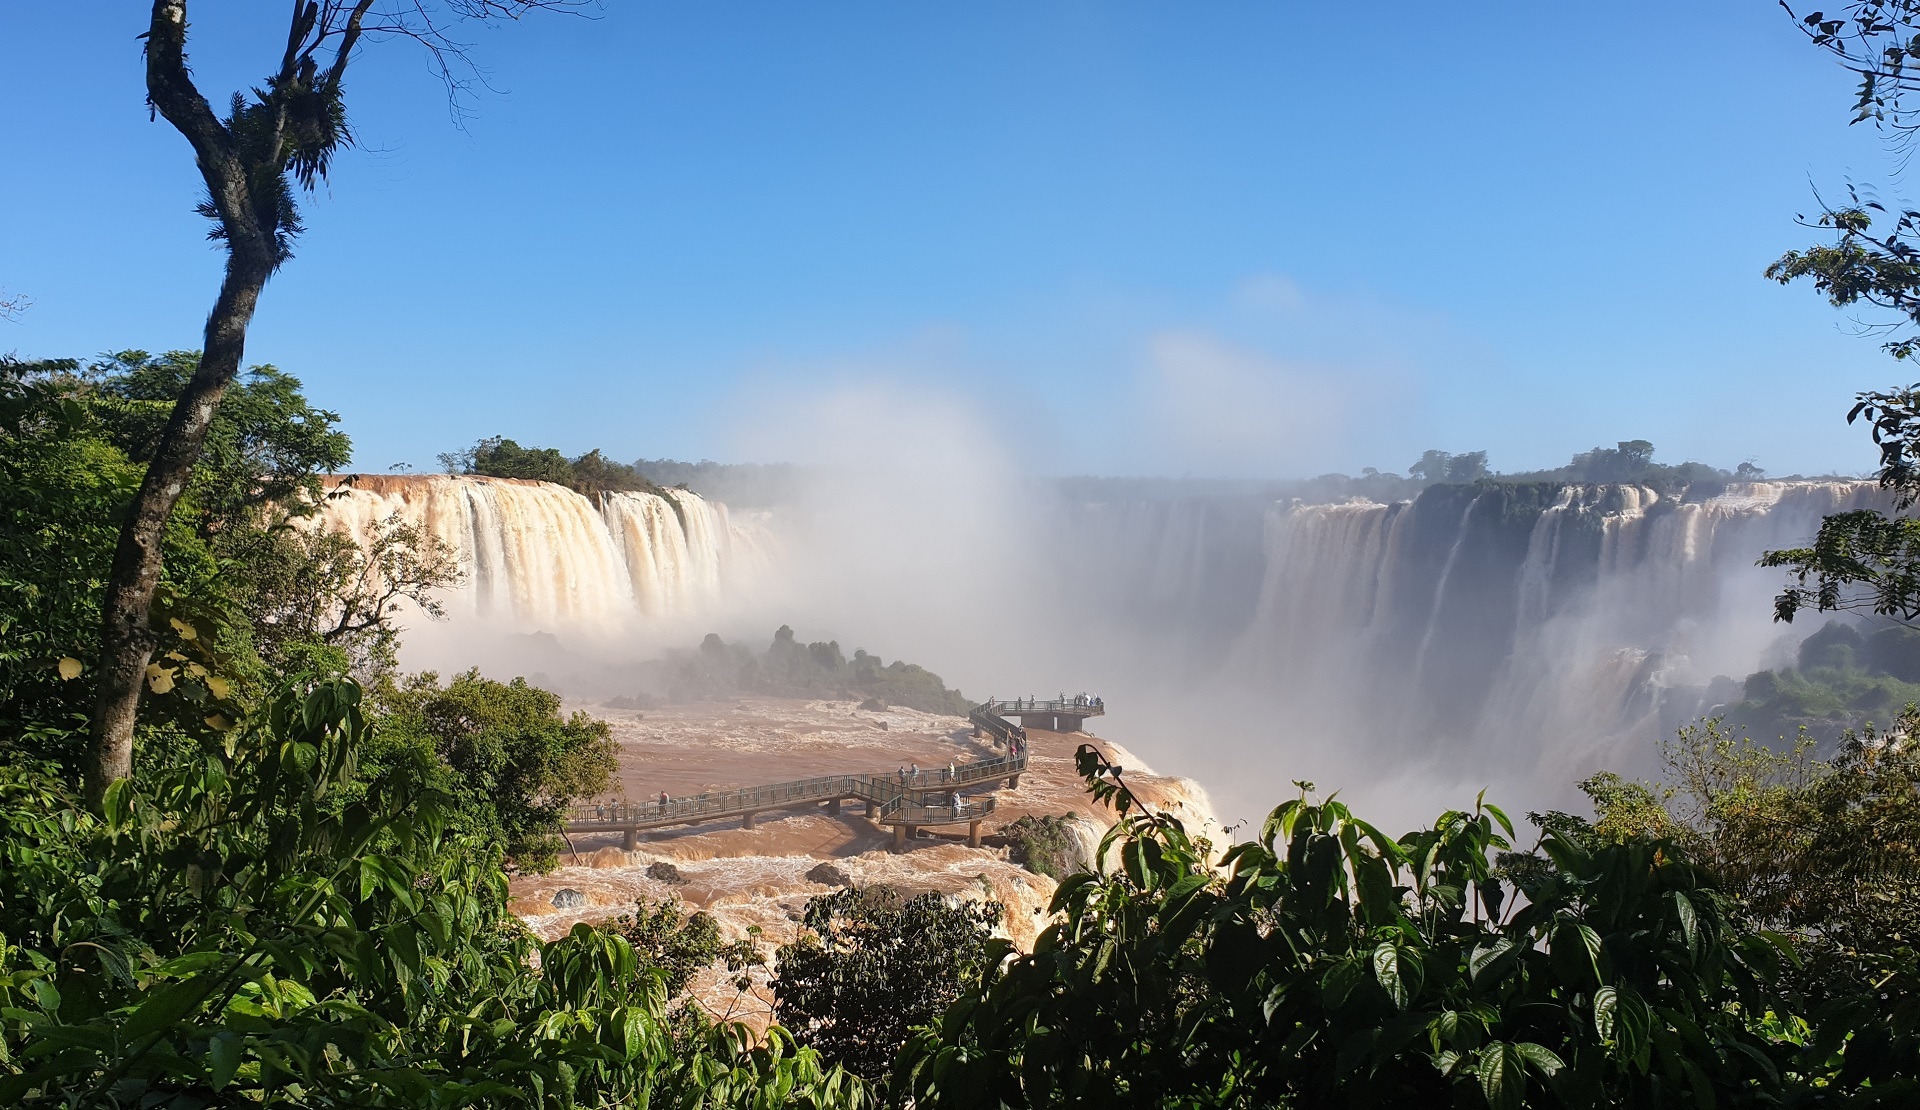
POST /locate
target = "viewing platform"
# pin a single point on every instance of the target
(1061, 714)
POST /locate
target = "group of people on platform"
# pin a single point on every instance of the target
(1078, 701)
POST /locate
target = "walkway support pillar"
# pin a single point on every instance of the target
(1013, 783)
(747, 821)
(833, 807)
(630, 839)
(873, 808)
(973, 834)
(899, 838)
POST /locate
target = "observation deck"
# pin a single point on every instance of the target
(1061, 714)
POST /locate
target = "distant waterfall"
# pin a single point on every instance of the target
(1525, 613)
(537, 555)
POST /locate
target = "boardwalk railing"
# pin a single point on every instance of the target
(1080, 706)
(939, 814)
(899, 799)
(1003, 731)
(891, 795)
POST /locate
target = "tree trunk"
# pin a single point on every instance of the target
(126, 639)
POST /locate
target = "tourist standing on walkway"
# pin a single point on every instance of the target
(663, 803)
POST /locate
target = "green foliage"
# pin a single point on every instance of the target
(1828, 854)
(232, 934)
(789, 668)
(1862, 561)
(1044, 845)
(319, 599)
(1867, 560)
(737, 484)
(873, 964)
(1844, 680)
(590, 473)
(266, 447)
(508, 760)
(1439, 466)
(668, 940)
(1332, 965)
(66, 477)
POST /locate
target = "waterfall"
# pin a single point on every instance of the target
(1522, 619)
(535, 555)
(1440, 592)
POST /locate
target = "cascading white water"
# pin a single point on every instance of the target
(536, 555)
(1567, 632)
(1440, 591)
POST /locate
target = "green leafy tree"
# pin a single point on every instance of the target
(677, 944)
(1332, 966)
(789, 668)
(246, 585)
(228, 933)
(65, 480)
(322, 600)
(1631, 460)
(1826, 851)
(1431, 466)
(509, 760)
(503, 458)
(265, 449)
(1867, 560)
(592, 473)
(1467, 468)
(873, 964)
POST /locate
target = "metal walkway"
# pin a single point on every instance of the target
(906, 802)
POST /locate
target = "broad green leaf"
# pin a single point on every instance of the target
(1386, 969)
(1491, 961)
(1577, 946)
(163, 1008)
(1339, 982)
(1689, 921)
(1502, 1079)
(223, 1058)
(1541, 1057)
(1606, 1006)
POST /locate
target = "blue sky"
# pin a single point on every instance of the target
(1254, 239)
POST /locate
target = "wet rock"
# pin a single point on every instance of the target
(665, 872)
(568, 898)
(829, 874)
